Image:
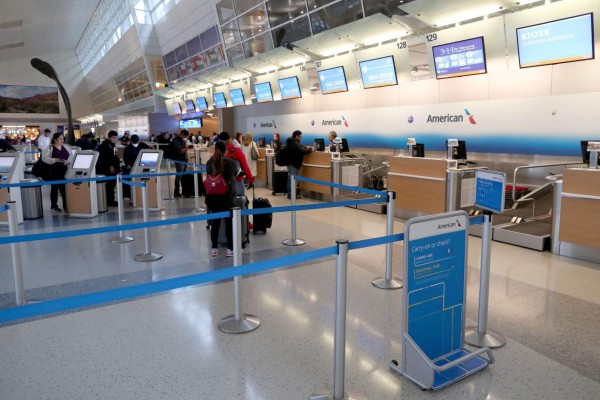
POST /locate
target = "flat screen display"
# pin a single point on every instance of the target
(190, 123)
(83, 161)
(189, 106)
(263, 92)
(463, 58)
(289, 88)
(149, 160)
(237, 97)
(201, 102)
(219, 99)
(176, 107)
(6, 164)
(555, 42)
(378, 72)
(333, 80)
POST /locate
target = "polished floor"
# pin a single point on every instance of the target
(168, 346)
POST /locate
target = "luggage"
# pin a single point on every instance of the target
(280, 179)
(187, 185)
(241, 202)
(261, 222)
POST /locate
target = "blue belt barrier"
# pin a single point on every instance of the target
(132, 183)
(305, 207)
(476, 220)
(340, 186)
(3, 208)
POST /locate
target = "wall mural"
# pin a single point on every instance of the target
(28, 99)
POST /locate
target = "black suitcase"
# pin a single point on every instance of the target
(242, 203)
(280, 179)
(187, 185)
(261, 222)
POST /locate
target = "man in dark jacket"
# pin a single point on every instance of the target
(295, 152)
(85, 142)
(109, 164)
(179, 153)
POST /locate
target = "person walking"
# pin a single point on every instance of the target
(295, 152)
(57, 156)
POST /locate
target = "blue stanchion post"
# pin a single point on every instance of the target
(121, 238)
(293, 241)
(148, 255)
(389, 282)
(197, 207)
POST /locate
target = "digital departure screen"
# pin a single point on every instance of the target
(219, 99)
(333, 80)
(83, 161)
(263, 92)
(6, 164)
(149, 160)
(378, 72)
(237, 97)
(190, 123)
(289, 88)
(189, 106)
(201, 102)
(463, 58)
(555, 42)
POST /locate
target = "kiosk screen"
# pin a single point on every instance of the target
(149, 160)
(6, 164)
(83, 161)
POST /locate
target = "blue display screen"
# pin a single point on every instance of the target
(190, 123)
(176, 107)
(189, 106)
(201, 102)
(565, 40)
(490, 189)
(263, 92)
(333, 80)
(237, 97)
(219, 99)
(289, 88)
(463, 58)
(378, 72)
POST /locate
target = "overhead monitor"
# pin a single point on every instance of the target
(149, 159)
(219, 99)
(190, 123)
(333, 80)
(201, 102)
(290, 88)
(6, 164)
(585, 154)
(555, 42)
(263, 92)
(176, 107)
(378, 72)
(190, 107)
(237, 97)
(83, 161)
(463, 58)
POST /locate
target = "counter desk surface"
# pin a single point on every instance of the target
(316, 165)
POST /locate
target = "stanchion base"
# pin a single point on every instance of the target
(248, 323)
(294, 242)
(122, 239)
(492, 340)
(383, 283)
(169, 198)
(200, 210)
(325, 394)
(148, 257)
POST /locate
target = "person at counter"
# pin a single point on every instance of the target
(109, 164)
(295, 154)
(332, 136)
(125, 140)
(179, 153)
(276, 144)
(5, 145)
(57, 155)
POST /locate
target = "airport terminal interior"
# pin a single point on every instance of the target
(420, 117)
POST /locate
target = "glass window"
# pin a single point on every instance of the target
(291, 32)
(170, 59)
(253, 23)
(258, 45)
(281, 11)
(312, 4)
(210, 37)
(194, 46)
(181, 53)
(335, 15)
(387, 8)
(235, 53)
(242, 6)
(215, 56)
(225, 10)
(231, 34)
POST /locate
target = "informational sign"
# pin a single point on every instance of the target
(378, 72)
(333, 80)
(237, 97)
(490, 187)
(263, 92)
(289, 88)
(219, 99)
(462, 58)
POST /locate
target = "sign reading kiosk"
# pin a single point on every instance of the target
(435, 259)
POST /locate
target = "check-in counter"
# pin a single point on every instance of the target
(420, 185)
(579, 233)
(261, 167)
(316, 165)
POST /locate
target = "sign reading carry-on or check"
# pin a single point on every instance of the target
(490, 187)
(435, 259)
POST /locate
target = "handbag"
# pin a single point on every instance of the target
(215, 185)
(253, 152)
(42, 170)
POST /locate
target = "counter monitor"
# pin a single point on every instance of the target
(149, 159)
(6, 164)
(459, 152)
(344, 147)
(290, 88)
(463, 58)
(585, 154)
(333, 80)
(418, 150)
(83, 161)
(319, 144)
(378, 72)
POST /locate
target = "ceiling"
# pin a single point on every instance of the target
(29, 28)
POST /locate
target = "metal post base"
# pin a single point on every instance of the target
(200, 210)
(148, 257)
(294, 242)
(325, 394)
(492, 340)
(122, 239)
(383, 283)
(246, 324)
(169, 198)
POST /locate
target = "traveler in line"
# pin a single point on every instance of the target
(295, 152)
(85, 142)
(247, 148)
(130, 154)
(179, 153)
(109, 164)
(237, 154)
(276, 144)
(57, 156)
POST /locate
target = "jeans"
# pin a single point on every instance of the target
(179, 168)
(291, 171)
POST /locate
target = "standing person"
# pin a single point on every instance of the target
(85, 142)
(295, 152)
(125, 139)
(237, 154)
(57, 155)
(239, 138)
(215, 137)
(109, 164)
(248, 146)
(130, 154)
(44, 140)
(220, 164)
(179, 153)
(332, 144)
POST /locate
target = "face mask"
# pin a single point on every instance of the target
(135, 144)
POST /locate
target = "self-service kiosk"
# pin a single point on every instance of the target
(11, 171)
(148, 163)
(82, 197)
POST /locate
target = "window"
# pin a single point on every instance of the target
(281, 11)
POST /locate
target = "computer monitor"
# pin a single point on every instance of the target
(149, 159)
(459, 152)
(6, 164)
(418, 150)
(83, 161)
(344, 148)
(262, 142)
(319, 144)
(585, 154)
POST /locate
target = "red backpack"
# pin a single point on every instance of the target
(215, 185)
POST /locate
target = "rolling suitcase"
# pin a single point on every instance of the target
(187, 185)
(280, 179)
(242, 203)
(261, 222)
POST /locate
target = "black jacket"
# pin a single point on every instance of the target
(130, 153)
(295, 152)
(108, 157)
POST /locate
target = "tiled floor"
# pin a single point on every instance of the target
(168, 346)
